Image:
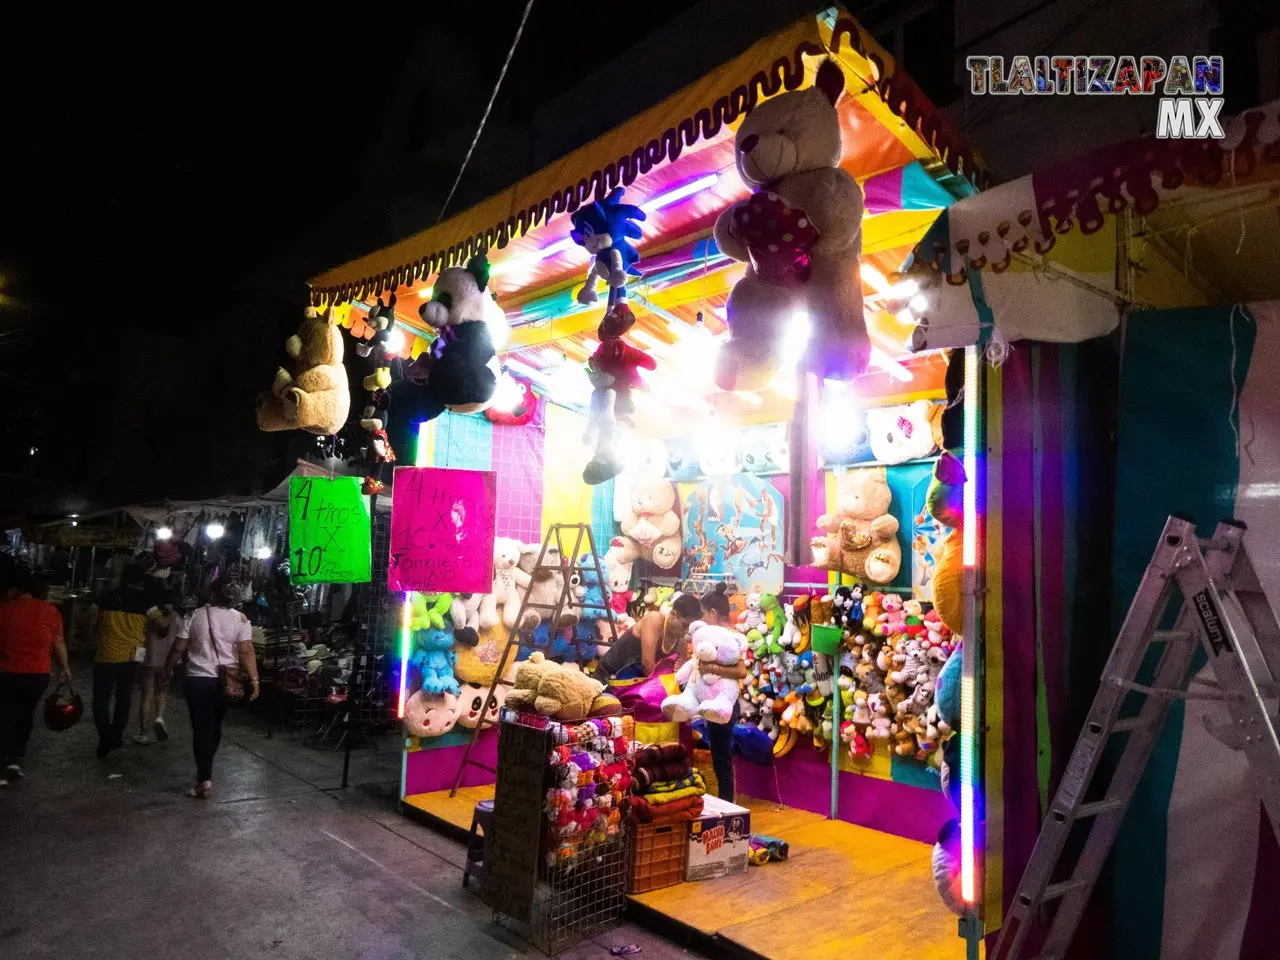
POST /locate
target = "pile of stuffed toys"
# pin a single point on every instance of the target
(458, 640)
(891, 653)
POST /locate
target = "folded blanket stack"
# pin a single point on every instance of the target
(590, 776)
(665, 788)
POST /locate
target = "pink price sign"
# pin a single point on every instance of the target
(442, 528)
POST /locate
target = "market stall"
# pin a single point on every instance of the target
(767, 460)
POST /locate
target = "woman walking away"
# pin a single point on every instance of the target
(217, 639)
(161, 634)
(30, 629)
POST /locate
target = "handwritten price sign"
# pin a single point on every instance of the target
(328, 531)
(442, 526)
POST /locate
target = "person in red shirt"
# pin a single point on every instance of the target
(30, 630)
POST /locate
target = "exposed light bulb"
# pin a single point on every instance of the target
(214, 530)
(264, 553)
(164, 533)
(508, 394)
(919, 303)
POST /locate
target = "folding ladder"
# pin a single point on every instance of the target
(551, 612)
(1221, 604)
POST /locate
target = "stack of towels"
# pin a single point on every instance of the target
(590, 774)
(665, 789)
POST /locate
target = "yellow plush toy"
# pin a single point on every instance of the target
(553, 690)
(945, 503)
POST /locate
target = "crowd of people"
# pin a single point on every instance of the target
(140, 640)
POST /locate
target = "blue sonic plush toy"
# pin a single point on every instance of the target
(435, 658)
(606, 228)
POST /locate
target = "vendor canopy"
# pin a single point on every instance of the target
(676, 159)
(1148, 222)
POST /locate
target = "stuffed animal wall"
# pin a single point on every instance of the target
(800, 235)
(316, 397)
(707, 694)
(553, 690)
(906, 431)
(861, 536)
(945, 503)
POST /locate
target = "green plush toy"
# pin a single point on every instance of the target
(430, 611)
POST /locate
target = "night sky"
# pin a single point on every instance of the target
(164, 181)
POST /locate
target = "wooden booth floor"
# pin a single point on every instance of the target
(845, 890)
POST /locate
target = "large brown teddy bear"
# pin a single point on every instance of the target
(316, 398)
(553, 690)
(800, 235)
(861, 537)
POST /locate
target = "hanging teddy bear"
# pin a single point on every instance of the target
(315, 398)
(800, 235)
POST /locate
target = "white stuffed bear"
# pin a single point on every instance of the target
(904, 431)
(707, 695)
(508, 579)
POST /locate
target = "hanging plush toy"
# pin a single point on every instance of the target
(605, 229)
(460, 372)
(316, 397)
(614, 372)
(800, 235)
(381, 318)
(434, 656)
(379, 456)
(522, 413)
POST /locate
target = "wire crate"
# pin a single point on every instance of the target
(576, 899)
(660, 854)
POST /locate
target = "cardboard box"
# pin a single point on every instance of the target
(719, 840)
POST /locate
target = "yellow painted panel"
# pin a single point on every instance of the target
(565, 498)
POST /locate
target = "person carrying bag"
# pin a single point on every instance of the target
(222, 669)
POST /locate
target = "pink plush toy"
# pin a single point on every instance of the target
(707, 695)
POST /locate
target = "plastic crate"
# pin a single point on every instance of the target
(660, 854)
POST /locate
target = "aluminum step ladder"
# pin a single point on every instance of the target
(550, 559)
(1220, 604)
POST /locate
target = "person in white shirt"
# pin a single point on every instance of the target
(216, 636)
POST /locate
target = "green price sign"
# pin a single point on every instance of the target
(328, 531)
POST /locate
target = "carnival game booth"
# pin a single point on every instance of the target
(1126, 303)
(782, 488)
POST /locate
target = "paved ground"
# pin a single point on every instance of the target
(103, 859)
